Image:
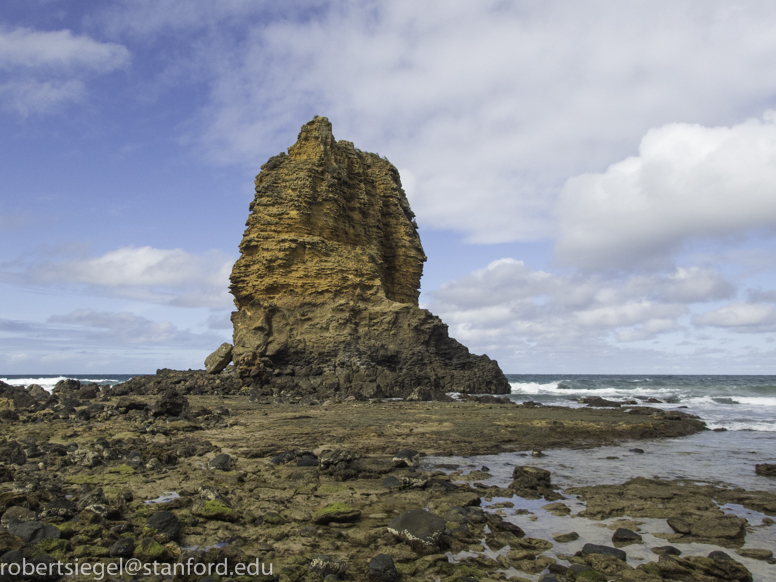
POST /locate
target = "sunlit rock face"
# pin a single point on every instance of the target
(327, 283)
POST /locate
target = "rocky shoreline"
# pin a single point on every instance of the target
(170, 469)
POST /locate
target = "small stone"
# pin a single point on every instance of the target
(419, 528)
(382, 569)
(391, 482)
(755, 554)
(123, 548)
(308, 461)
(564, 538)
(666, 551)
(221, 462)
(324, 566)
(34, 532)
(12, 453)
(558, 508)
(149, 550)
(166, 524)
(604, 550)
(16, 514)
(625, 536)
(406, 458)
(765, 470)
(337, 513)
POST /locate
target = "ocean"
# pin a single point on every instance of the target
(745, 406)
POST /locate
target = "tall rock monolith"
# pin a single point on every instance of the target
(327, 283)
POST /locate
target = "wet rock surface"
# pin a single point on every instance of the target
(303, 486)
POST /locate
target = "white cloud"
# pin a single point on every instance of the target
(688, 182)
(507, 309)
(27, 48)
(742, 317)
(88, 340)
(32, 96)
(48, 68)
(490, 105)
(162, 276)
(128, 328)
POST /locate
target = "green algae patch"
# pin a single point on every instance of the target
(122, 470)
(57, 549)
(66, 530)
(149, 550)
(90, 551)
(336, 512)
(213, 509)
(120, 474)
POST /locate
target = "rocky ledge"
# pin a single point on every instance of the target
(337, 490)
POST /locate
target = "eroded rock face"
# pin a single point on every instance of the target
(328, 280)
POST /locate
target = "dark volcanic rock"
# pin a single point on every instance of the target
(12, 453)
(765, 470)
(599, 402)
(700, 568)
(421, 529)
(185, 382)
(221, 462)
(604, 550)
(533, 483)
(328, 280)
(33, 532)
(172, 403)
(166, 524)
(123, 548)
(623, 536)
(382, 569)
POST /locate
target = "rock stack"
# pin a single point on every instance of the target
(327, 284)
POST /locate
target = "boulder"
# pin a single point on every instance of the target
(165, 524)
(422, 530)
(533, 483)
(172, 403)
(221, 462)
(123, 548)
(16, 514)
(33, 532)
(12, 453)
(38, 392)
(219, 359)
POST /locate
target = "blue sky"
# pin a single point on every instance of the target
(595, 182)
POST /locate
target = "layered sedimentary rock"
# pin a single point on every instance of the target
(327, 283)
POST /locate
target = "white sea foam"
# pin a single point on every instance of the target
(49, 383)
(721, 405)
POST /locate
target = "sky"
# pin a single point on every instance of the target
(594, 181)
